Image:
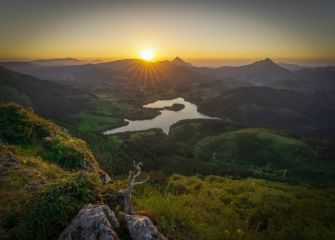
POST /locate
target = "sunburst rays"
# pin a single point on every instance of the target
(147, 74)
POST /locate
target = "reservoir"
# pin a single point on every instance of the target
(165, 119)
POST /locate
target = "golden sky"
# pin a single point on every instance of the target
(200, 31)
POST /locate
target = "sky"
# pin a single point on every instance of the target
(204, 32)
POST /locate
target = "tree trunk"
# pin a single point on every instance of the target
(126, 193)
(127, 201)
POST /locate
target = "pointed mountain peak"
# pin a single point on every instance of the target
(178, 60)
(268, 60)
(265, 62)
(268, 65)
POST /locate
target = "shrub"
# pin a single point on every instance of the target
(64, 156)
(19, 125)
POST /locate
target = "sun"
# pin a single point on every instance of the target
(147, 54)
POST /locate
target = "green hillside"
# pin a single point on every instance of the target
(221, 148)
(267, 151)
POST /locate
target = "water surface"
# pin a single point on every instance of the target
(165, 119)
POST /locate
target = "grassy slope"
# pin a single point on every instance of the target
(21, 126)
(43, 185)
(221, 208)
(38, 199)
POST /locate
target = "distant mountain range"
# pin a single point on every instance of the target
(62, 62)
(128, 71)
(263, 93)
(68, 69)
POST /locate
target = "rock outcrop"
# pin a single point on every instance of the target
(98, 222)
(93, 222)
(141, 227)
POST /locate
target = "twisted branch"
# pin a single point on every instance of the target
(131, 183)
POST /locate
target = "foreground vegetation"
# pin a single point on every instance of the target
(215, 207)
(46, 175)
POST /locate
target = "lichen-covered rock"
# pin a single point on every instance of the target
(141, 227)
(93, 222)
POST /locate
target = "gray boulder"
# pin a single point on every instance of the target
(141, 227)
(93, 222)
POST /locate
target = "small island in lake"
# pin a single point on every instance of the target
(175, 107)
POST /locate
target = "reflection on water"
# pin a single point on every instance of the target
(165, 119)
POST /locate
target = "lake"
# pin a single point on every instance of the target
(165, 119)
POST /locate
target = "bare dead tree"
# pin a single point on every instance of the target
(126, 193)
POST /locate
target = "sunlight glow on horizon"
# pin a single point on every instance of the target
(147, 54)
(220, 33)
